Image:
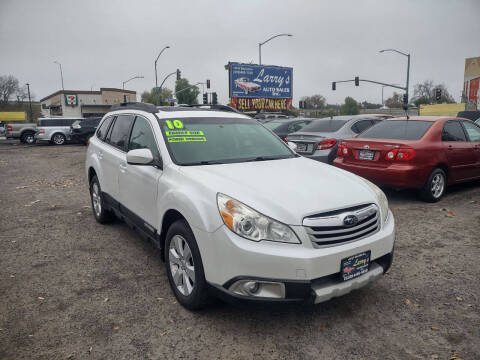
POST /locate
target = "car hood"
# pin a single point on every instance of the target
(287, 190)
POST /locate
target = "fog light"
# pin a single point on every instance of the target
(251, 286)
(258, 288)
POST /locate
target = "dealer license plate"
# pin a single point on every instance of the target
(301, 147)
(366, 154)
(355, 265)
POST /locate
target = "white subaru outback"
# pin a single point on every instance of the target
(235, 211)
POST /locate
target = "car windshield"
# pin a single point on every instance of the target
(204, 141)
(398, 130)
(272, 125)
(324, 125)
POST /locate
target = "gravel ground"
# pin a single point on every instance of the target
(73, 289)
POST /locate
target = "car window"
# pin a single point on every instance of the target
(102, 130)
(452, 131)
(142, 137)
(121, 129)
(473, 131)
(272, 125)
(397, 130)
(202, 140)
(297, 126)
(361, 126)
(324, 125)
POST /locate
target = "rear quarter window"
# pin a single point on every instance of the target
(398, 130)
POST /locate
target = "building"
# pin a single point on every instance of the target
(471, 82)
(80, 103)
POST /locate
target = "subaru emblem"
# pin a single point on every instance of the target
(350, 220)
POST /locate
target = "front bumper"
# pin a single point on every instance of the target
(308, 273)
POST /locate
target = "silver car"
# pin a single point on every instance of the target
(55, 130)
(319, 140)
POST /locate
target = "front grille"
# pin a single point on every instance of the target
(329, 229)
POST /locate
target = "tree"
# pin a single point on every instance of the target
(395, 102)
(424, 93)
(186, 93)
(8, 87)
(152, 96)
(315, 102)
(350, 107)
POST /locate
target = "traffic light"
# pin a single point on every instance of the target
(214, 98)
(300, 104)
(179, 74)
(208, 84)
(357, 81)
(405, 99)
(205, 98)
(334, 86)
(438, 94)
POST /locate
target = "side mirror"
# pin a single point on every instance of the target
(140, 157)
(292, 146)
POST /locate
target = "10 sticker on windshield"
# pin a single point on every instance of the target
(175, 135)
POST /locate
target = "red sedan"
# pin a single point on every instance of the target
(423, 152)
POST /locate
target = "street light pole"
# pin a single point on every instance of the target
(30, 102)
(61, 72)
(408, 69)
(263, 43)
(156, 77)
(126, 81)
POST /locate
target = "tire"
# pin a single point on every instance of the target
(100, 212)
(28, 137)
(58, 139)
(434, 188)
(183, 259)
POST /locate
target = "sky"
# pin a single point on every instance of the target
(102, 43)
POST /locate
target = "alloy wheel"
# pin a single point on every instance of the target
(182, 267)
(58, 139)
(438, 185)
(29, 139)
(96, 200)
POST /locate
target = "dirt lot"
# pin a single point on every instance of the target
(73, 289)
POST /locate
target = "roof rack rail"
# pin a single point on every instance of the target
(135, 106)
(213, 107)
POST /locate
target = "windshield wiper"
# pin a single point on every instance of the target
(265, 158)
(204, 162)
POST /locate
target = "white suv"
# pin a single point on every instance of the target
(233, 209)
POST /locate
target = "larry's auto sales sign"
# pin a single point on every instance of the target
(259, 81)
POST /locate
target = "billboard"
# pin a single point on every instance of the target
(10, 116)
(257, 104)
(260, 81)
(471, 80)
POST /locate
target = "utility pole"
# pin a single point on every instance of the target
(30, 102)
(263, 43)
(156, 60)
(61, 72)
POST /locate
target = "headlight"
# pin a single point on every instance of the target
(252, 225)
(382, 199)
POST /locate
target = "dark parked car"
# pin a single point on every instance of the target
(82, 130)
(424, 152)
(473, 115)
(319, 140)
(283, 127)
(265, 117)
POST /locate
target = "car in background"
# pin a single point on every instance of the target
(82, 130)
(264, 117)
(425, 152)
(473, 115)
(319, 140)
(54, 130)
(246, 85)
(3, 128)
(283, 127)
(25, 132)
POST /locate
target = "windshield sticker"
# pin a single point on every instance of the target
(175, 139)
(184, 133)
(177, 124)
